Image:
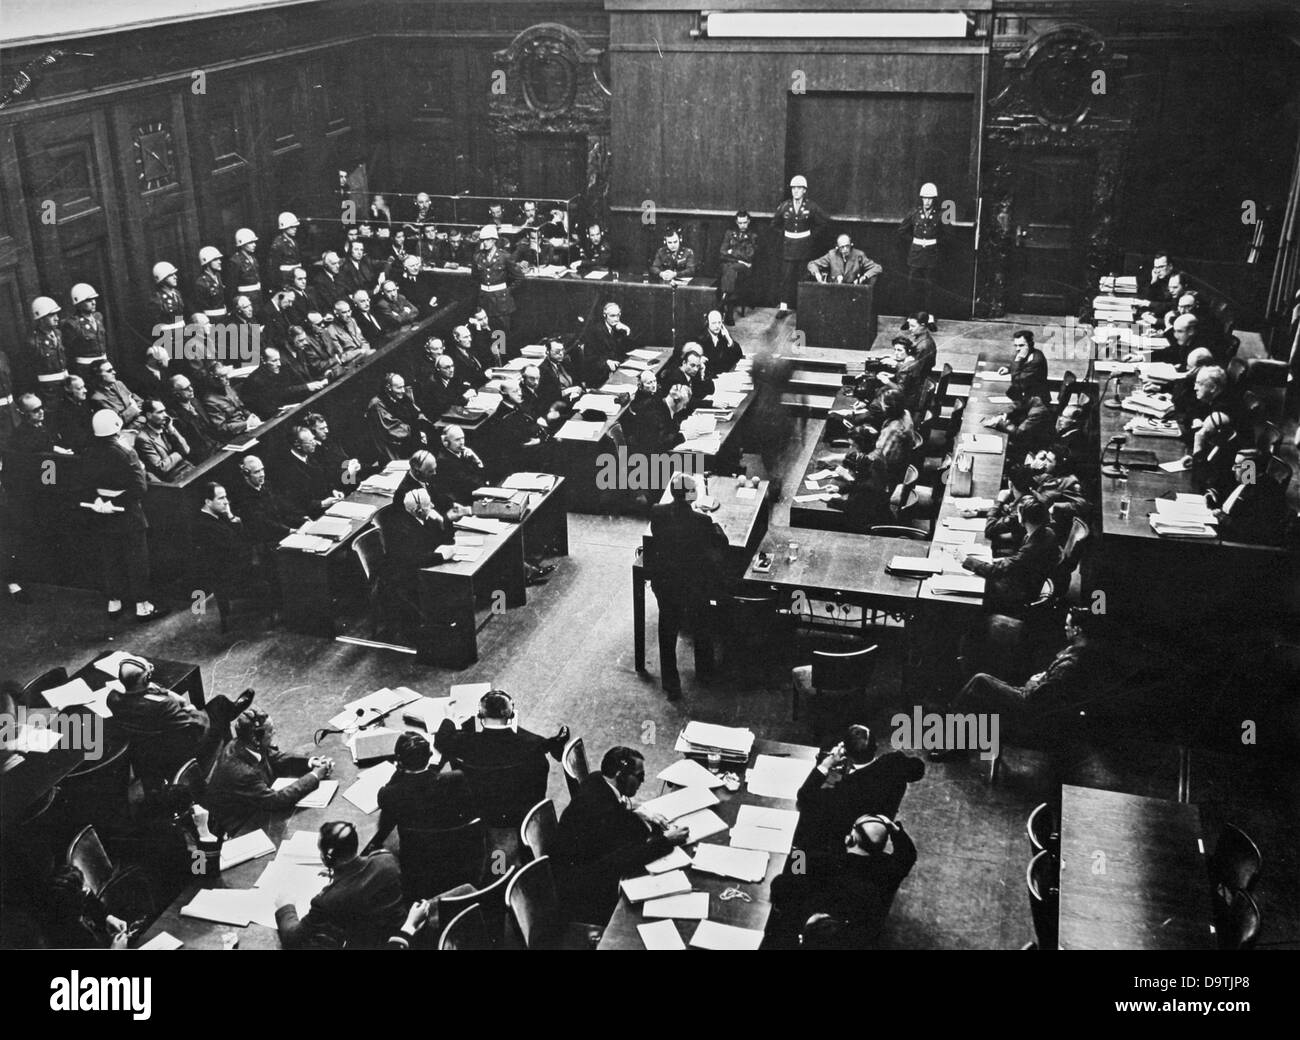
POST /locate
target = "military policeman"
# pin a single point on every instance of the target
(739, 245)
(166, 308)
(284, 253)
(921, 230)
(47, 362)
(85, 336)
(242, 275)
(673, 260)
(496, 273)
(796, 218)
(209, 294)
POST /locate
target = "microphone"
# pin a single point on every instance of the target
(1114, 469)
(1113, 402)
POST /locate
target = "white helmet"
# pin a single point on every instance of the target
(43, 307)
(929, 191)
(287, 220)
(487, 231)
(81, 292)
(244, 236)
(207, 254)
(163, 269)
(106, 423)
(798, 181)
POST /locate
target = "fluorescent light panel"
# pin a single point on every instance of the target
(836, 24)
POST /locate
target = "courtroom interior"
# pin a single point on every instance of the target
(647, 474)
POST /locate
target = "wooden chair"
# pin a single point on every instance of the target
(466, 931)
(535, 904)
(125, 893)
(837, 681)
(537, 832)
(434, 860)
(754, 629)
(1238, 921)
(491, 903)
(190, 778)
(368, 547)
(914, 534)
(574, 763)
(1236, 862)
(1041, 828)
(503, 795)
(32, 690)
(1042, 879)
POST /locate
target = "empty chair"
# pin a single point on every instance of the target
(538, 829)
(535, 904)
(369, 549)
(491, 903)
(1041, 828)
(32, 690)
(502, 795)
(1236, 861)
(902, 498)
(1237, 921)
(755, 628)
(837, 683)
(574, 763)
(1042, 878)
(124, 893)
(436, 859)
(466, 931)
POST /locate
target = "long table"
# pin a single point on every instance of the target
(742, 515)
(621, 932)
(1133, 874)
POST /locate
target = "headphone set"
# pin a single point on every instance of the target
(859, 827)
(338, 840)
(498, 706)
(629, 762)
(139, 662)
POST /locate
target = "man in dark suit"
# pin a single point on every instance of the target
(848, 782)
(438, 395)
(265, 515)
(557, 385)
(654, 426)
(685, 564)
(328, 286)
(469, 367)
(1029, 426)
(601, 838)
(305, 487)
(358, 271)
(242, 782)
(193, 423)
(416, 286)
(416, 535)
(271, 385)
(225, 555)
(395, 422)
(691, 373)
(366, 319)
(1028, 369)
(419, 796)
(394, 310)
(460, 470)
(493, 744)
(605, 346)
(363, 901)
(721, 351)
(1015, 581)
(278, 317)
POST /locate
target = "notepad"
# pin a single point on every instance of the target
(949, 536)
(686, 772)
(364, 794)
(734, 739)
(711, 935)
(687, 905)
(307, 543)
(956, 585)
(963, 523)
(224, 905)
(235, 851)
(653, 886)
(681, 803)
(660, 935)
(352, 510)
(300, 847)
(981, 444)
(758, 827)
(317, 799)
(914, 565)
(774, 777)
(701, 825)
(166, 941)
(725, 861)
(678, 859)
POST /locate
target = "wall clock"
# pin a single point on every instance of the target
(155, 162)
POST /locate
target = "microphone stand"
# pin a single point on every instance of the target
(1114, 469)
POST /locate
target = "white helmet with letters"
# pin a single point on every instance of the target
(243, 237)
(287, 220)
(43, 307)
(81, 292)
(207, 254)
(929, 191)
(106, 423)
(798, 181)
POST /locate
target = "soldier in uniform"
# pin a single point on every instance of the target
(921, 230)
(285, 256)
(673, 260)
(495, 272)
(845, 265)
(796, 218)
(242, 275)
(594, 253)
(739, 245)
(166, 309)
(209, 293)
(85, 336)
(47, 362)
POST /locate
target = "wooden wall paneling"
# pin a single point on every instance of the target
(18, 280)
(220, 129)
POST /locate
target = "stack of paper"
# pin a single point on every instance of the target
(427, 712)
(914, 565)
(481, 524)
(952, 536)
(252, 845)
(686, 772)
(364, 794)
(352, 510)
(681, 803)
(529, 481)
(956, 585)
(725, 861)
(78, 693)
(374, 742)
(1157, 406)
(600, 402)
(678, 859)
(1180, 528)
(644, 354)
(770, 830)
(1160, 371)
(1147, 426)
(655, 886)
(163, 941)
(463, 700)
(1124, 285)
(728, 398)
(536, 351)
(307, 543)
(1187, 516)
(317, 799)
(365, 710)
(703, 738)
(774, 777)
(333, 527)
(382, 483)
(595, 274)
(711, 935)
(581, 430)
(709, 444)
(981, 444)
(300, 847)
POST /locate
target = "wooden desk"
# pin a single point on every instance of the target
(840, 316)
(1133, 874)
(743, 520)
(621, 933)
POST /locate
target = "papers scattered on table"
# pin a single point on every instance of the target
(681, 803)
(364, 794)
(1177, 465)
(687, 906)
(110, 663)
(299, 847)
(372, 706)
(823, 496)
(352, 510)
(654, 886)
(757, 827)
(78, 693)
(725, 861)
(28, 739)
(1148, 426)
(1119, 283)
(581, 430)
(600, 402)
(529, 481)
(660, 935)
(162, 941)
(710, 935)
(981, 444)
(307, 543)
(382, 483)
(481, 524)
(332, 527)
(678, 859)
(956, 585)
(775, 777)
(1160, 371)
(914, 565)
(703, 737)
(317, 799)
(596, 274)
(709, 444)
(686, 772)
(1185, 517)
(235, 851)
(237, 906)
(701, 825)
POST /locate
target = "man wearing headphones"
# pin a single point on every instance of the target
(241, 783)
(504, 763)
(420, 795)
(164, 728)
(601, 837)
(363, 900)
(848, 782)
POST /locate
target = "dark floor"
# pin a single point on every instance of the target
(567, 658)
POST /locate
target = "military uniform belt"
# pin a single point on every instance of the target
(925, 241)
(797, 234)
(254, 287)
(493, 288)
(52, 377)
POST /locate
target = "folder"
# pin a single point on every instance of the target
(654, 886)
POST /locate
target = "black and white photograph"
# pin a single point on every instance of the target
(740, 475)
